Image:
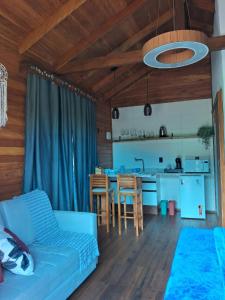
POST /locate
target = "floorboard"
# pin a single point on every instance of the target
(136, 268)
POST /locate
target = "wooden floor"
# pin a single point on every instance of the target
(136, 268)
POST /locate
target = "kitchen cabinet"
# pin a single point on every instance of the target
(149, 190)
(194, 193)
(169, 188)
(192, 196)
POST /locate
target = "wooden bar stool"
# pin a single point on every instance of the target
(130, 186)
(100, 187)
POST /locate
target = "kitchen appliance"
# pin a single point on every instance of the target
(162, 131)
(178, 168)
(196, 166)
(178, 163)
(192, 196)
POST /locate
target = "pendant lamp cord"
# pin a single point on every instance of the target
(188, 11)
(147, 87)
(157, 23)
(174, 17)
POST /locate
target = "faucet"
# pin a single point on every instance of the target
(143, 163)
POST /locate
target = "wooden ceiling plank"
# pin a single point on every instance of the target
(138, 36)
(109, 78)
(120, 59)
(208, 5)
(216, 43)
(163, 19)
(126, 83)
(208, 28)
(179, 15)
(63, 12)
(96, 35)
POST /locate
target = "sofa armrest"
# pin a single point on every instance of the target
(81, 222)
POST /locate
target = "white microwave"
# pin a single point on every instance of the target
(196, 166)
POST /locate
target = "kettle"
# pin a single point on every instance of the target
(162, 131)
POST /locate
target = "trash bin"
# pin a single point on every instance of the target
(172, 207)
(163, 207)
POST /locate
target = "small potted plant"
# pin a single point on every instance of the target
(205, 133)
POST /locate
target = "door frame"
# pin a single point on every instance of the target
(218, 118)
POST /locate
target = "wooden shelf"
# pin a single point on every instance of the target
(139, 139)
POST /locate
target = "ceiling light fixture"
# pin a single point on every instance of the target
(147, 107)
(175, 49)
(115, 110)
(115, 113)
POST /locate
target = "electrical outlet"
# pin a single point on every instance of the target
(160, 159)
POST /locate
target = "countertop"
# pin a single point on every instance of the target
(158, 173)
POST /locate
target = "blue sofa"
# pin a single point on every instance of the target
(198, 268)
(63, 245)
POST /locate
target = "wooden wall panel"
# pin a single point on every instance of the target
(193, 82)
(12, 136)
(104, 147)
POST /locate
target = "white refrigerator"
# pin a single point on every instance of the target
(192, 196)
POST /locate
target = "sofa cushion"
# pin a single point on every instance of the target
(13, 257)
(13, 211)
(82, 243)
(52, 266)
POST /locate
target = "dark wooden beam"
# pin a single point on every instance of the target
(97, 34)
(120, 59)
(216, 43)
(58, 16)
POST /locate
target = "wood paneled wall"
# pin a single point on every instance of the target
(193, 82)
(104, 147)
(12, 136)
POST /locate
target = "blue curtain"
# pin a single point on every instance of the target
(60, 143)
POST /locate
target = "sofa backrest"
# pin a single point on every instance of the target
(30, 217)
(1, 220)
(42, 216)
(16, 217)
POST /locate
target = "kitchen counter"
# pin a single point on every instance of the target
(158, 185)
(149, 174)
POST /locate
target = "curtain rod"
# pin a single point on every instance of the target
(36, 70)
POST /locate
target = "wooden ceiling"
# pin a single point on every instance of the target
(63, 36)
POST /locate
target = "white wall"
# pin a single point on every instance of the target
(179, 118)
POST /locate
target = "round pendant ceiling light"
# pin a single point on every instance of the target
(175, 49)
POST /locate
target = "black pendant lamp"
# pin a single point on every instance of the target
(115, 113)
(147, 110)
(147, 107)
(115, 110)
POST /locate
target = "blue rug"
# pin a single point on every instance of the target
(197, 271)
